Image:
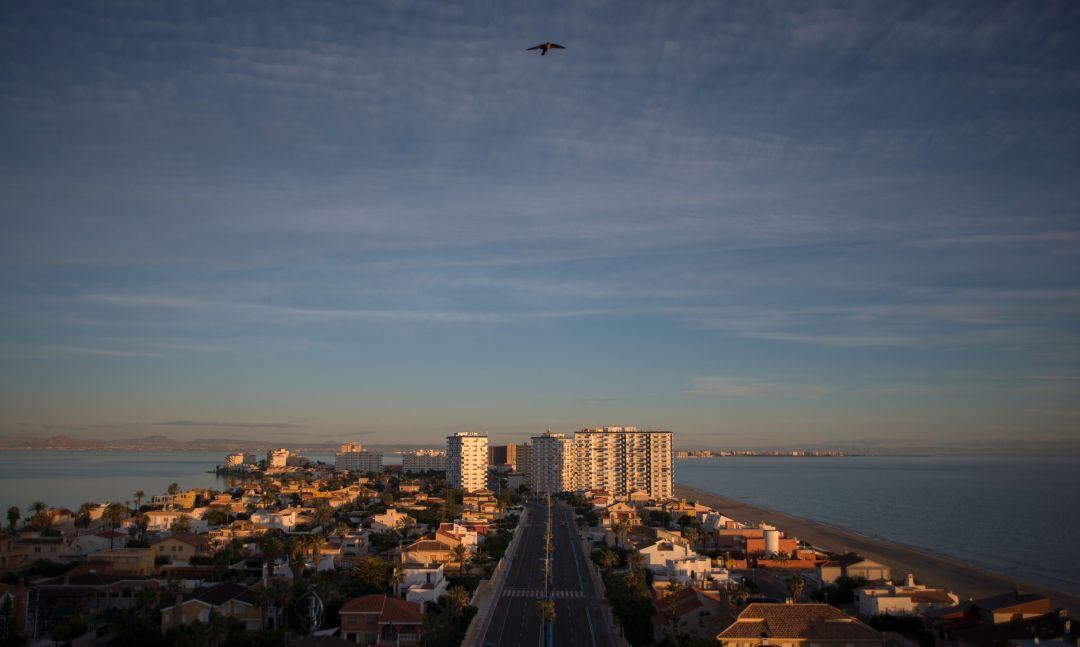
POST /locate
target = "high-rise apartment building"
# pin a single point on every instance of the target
(623, 460)
(423, 460)
(354, 458)
(554, 464)
(466, 461)
(277, 458)
(503, 455)
(524, 460)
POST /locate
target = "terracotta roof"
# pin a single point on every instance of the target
(1015, 602)
(186, 537)
(799, 621)
(222, 593)
(390, 609)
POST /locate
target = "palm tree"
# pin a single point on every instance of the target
(173, 489)
(546, 610)
(84, 513)
(671, 605)
(461, 555)
(13, 514)
(267, 499)
(396, 577)
(795, 586)
(620, 528)
(275, 594)
(139, 495)
(608, 559)
(459, 598)
(37, 507)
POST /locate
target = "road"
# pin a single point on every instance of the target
(578, 605)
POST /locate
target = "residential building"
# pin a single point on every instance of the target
(795, 625)
(423, 460)
(286, 519)
(234, 460)
(466, 461)
(524, 460)
(381, 620)
(503, 455)
(13, 555)
(277, 458)
(422, 584)
(93, 542)
(123, 561)
(228, 599)
(427, 552)
(625, 461)
(554, 463)
(52, 549)
(853, 566)
(354, 458)
(392, 519)
(656, 557)
(180, 547)
(693, 612)
(85, 593)
(908, 598)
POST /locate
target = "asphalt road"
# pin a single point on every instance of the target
(578, 618)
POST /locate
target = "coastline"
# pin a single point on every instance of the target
(965, 580)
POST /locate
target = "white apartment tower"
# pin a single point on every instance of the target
(424, 460)
(466, 461)
(354, 458)
(623, 460)
(554, 464)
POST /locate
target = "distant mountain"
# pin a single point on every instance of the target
(164, 443)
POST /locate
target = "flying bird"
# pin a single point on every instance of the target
(544, 47)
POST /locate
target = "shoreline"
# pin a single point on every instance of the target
(964, 579)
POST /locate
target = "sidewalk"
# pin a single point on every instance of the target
(488, 592)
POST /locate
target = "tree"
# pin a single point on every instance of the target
(274, 595)
(83, 515)
(671, 606)
(546, 610)
(181, 524)
(37, 507)
(114, 513)
(461, 555)
(139, 495)
(608, 559)
(795, 586)
(216, 517)
(620, 527)
(372, 574)
(173, 489)
(13, 515)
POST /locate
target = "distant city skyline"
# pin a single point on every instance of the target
(757, 225)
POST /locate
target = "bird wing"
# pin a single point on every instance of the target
(540, 46)
(554, 46)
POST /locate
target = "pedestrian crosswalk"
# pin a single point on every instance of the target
(539, 593)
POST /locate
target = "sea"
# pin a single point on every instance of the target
(1015, 515)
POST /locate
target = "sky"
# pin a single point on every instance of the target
(756, 224)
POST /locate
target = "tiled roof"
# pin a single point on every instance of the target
(393, 610)
(221, 593)
(795, 621)
(1015, 601)
(186, 537)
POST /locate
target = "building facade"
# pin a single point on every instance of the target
(503, 455)
(554, 464)
(354, 458)
(277, 458)
(423, 460)
(466, 461)
(524, 460)
(624, 460)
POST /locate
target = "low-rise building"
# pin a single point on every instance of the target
(423, 460)
(795, 625)
(123, 561)
(853, 566)
(52, 549)
(381, 620)
(909, 598)
(228, 599)
(180, 547)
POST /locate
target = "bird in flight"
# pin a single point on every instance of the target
(544, 47)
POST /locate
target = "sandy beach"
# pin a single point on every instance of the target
(931, 569)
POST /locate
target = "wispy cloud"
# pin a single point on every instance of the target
(241, 425)
(739, 387)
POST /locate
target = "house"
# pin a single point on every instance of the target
(695, 570)
(656, 556)
(356, 543)
(1000, 620)
(427, 551)
(52, 549)
(181, 500)
(392, 519)
(901, 599)
(229, 599)
(85, 592)
(692, 612)
(180, 547)
(123, 561)
(163, 520)
(1011, 606)
(619, 512)
(90, 543)
(481, 504)
(13, 555)
(853, 566)
(795, 625)
(381, 620)
(453, 534)
(422, 584)
(286, 519)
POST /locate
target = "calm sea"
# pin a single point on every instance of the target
(66, 479)
(1018, 516)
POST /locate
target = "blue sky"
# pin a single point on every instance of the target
(756, 224)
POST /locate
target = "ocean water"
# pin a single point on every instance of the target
(1015, 515)
(67, 479)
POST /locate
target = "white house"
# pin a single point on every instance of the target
(697, 571)
(422, 584)
(901, 599)
(656, 556)
(391, 520)
(356, 543)
(88, 544)
(286, 519)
